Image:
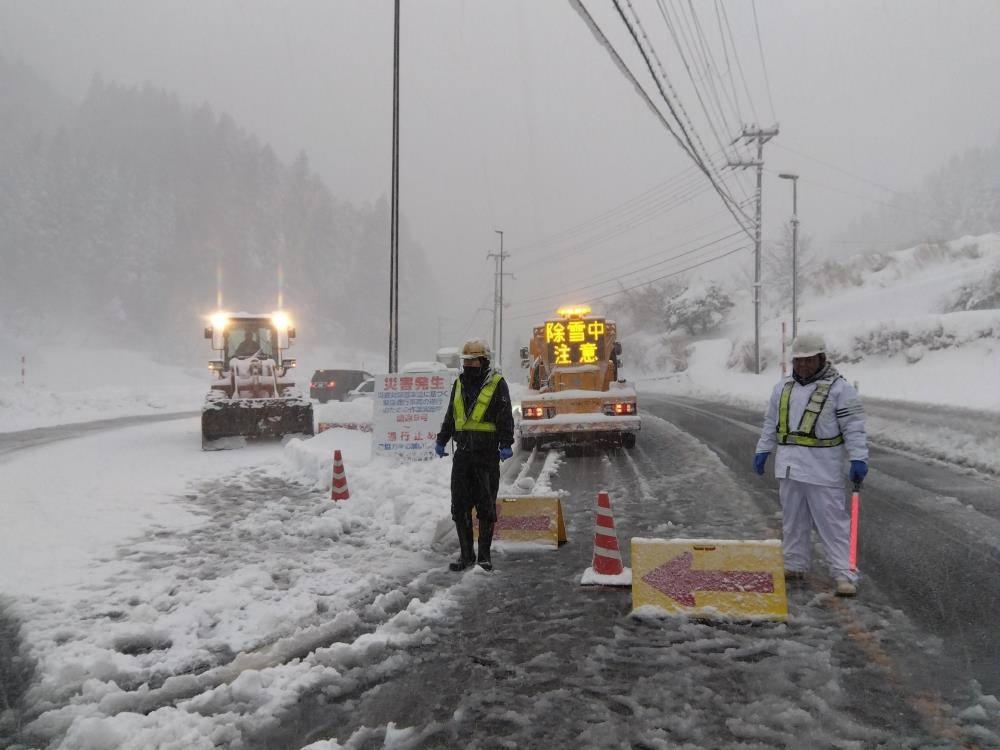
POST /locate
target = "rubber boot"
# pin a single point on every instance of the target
(485, 540)
(467, 557)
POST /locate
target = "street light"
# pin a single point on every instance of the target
(795, 246)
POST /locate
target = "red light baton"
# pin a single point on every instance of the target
(855, 509)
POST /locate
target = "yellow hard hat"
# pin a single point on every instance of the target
(476, 348)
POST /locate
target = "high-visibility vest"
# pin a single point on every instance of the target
(474, 422)
(805, 435)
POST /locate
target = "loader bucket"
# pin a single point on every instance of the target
(224, 422)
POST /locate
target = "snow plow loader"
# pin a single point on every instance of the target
(252, 395)
(574, 393)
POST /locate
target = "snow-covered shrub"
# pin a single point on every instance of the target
(741, 357)
(833, 275)
(981, 295)
(878, 261)
(641, 309)
(698, 310)
(912, 338)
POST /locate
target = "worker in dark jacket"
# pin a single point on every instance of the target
(481, 422)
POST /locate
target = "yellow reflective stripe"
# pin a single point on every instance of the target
(816, 402)
(805, 435)
(786, 394)
(475, 423)
(810, 442)
(458, 407)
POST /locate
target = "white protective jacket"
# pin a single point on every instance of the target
(841, 415)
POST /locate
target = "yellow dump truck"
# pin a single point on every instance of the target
(574, 392)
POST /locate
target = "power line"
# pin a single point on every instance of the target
(687, 67)
(703, 154)
(763, 65)
(739, 65)
(843, 171)
(727, 199)
(603, 39)
(735, 100)
(609, 233)
(709, 59)
(868, 199)
(589, 269)
(700, 51)
(623, 207)
(632, 272)
(644, 283)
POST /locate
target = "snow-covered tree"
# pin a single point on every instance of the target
(698, 310)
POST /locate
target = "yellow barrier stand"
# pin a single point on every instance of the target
(718, 579)
(530, 518)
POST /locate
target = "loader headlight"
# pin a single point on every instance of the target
(281, 321)
(219, 321)
(215, 365)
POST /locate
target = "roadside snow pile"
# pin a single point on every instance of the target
(204, 627)
(355, 415)
(75, 384)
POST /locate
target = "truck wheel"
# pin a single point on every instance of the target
(628, 440)
(527, 443)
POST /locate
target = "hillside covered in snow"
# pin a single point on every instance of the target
(920, 324)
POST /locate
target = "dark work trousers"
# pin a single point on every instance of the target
(475, 481)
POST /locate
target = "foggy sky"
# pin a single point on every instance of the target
(514, 118)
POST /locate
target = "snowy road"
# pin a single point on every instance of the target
(531, 659)
(356, 635)
(930, 540)
(24, 439)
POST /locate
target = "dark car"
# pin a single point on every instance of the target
(333, 385)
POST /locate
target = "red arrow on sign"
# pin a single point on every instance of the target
(676, 579)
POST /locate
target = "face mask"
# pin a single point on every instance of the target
(472, 371)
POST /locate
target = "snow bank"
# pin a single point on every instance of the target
(890, 332)
(147, 578)
(73, 384)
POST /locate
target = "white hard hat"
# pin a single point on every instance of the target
(808, 345)
(476, 348)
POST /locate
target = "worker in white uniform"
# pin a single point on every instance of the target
(813, 419)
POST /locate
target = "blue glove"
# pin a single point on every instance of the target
(506, 453)
(759, 461)
(439, 449)
(859, 469)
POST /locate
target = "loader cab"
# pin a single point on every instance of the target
(245, 334)
(260, 333)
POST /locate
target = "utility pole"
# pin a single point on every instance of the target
(394, 220)
(498, 301)
(762, 136)
(795, 249)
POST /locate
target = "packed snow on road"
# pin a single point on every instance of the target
(166, 597)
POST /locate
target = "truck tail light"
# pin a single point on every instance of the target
(534, 412)
(619, 409)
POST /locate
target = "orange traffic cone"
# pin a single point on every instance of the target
(607, 568)
(338, 489)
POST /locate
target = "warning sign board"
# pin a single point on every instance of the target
(408, 411)
(721, 579)
(529, 518)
